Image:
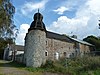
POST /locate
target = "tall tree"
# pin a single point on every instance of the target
(6, 15)
(93, 40)
(7, 27)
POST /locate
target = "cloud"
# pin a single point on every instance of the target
(61, 10)
(83, 24)
(94, 6)
(67, 25)
(30, 6)
(22, 32)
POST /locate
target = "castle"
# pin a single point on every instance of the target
(42, 45)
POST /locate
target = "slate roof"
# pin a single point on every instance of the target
(81, 41)
(56, 36)
(66, 38)
(18, 47)
(53, 35)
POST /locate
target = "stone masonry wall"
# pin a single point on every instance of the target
(35, 46)
(65, 49)
(84, 49)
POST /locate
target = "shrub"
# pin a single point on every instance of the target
(48, 64)
(86, 65)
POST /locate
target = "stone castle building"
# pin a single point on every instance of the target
(42, 45)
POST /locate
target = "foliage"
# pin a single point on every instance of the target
(99, 24)
(7, 27)
(93, 40)
(3, 45)
(76, 66)
(49, 64)
(4, 42)
(6, 14)
(86, 65)
(16, 64)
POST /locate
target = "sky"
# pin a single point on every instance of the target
(70, 17)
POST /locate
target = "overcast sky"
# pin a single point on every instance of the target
(78, 17)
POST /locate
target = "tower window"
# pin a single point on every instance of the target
(46, 53)
(46, 42)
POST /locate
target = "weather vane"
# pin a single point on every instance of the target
(38, 10)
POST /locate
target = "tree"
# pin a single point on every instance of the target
(7, 26)
(93, 40)
(6, 15)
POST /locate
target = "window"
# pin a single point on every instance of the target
(8, 49)
(76, 52)
(46, 42)
(84, 52)
(46, 53)
(65, 54)
(69, 48)
(56, 55)
(72, 55)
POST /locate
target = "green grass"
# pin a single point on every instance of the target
(17, 65)
(86, 65)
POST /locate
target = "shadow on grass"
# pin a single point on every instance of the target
(11, 64)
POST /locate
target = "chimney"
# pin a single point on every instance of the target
(74, 36)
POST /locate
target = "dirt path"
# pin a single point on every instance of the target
(7, 69)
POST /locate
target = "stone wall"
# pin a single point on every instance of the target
(84, 49)
(35, 47)
(62, 48)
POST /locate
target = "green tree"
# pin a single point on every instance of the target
(93, 40)
(99, 24)
(7, 27)
(6, 15)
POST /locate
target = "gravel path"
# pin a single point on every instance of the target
(6, 69)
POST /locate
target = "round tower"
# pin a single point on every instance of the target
(35, 43)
